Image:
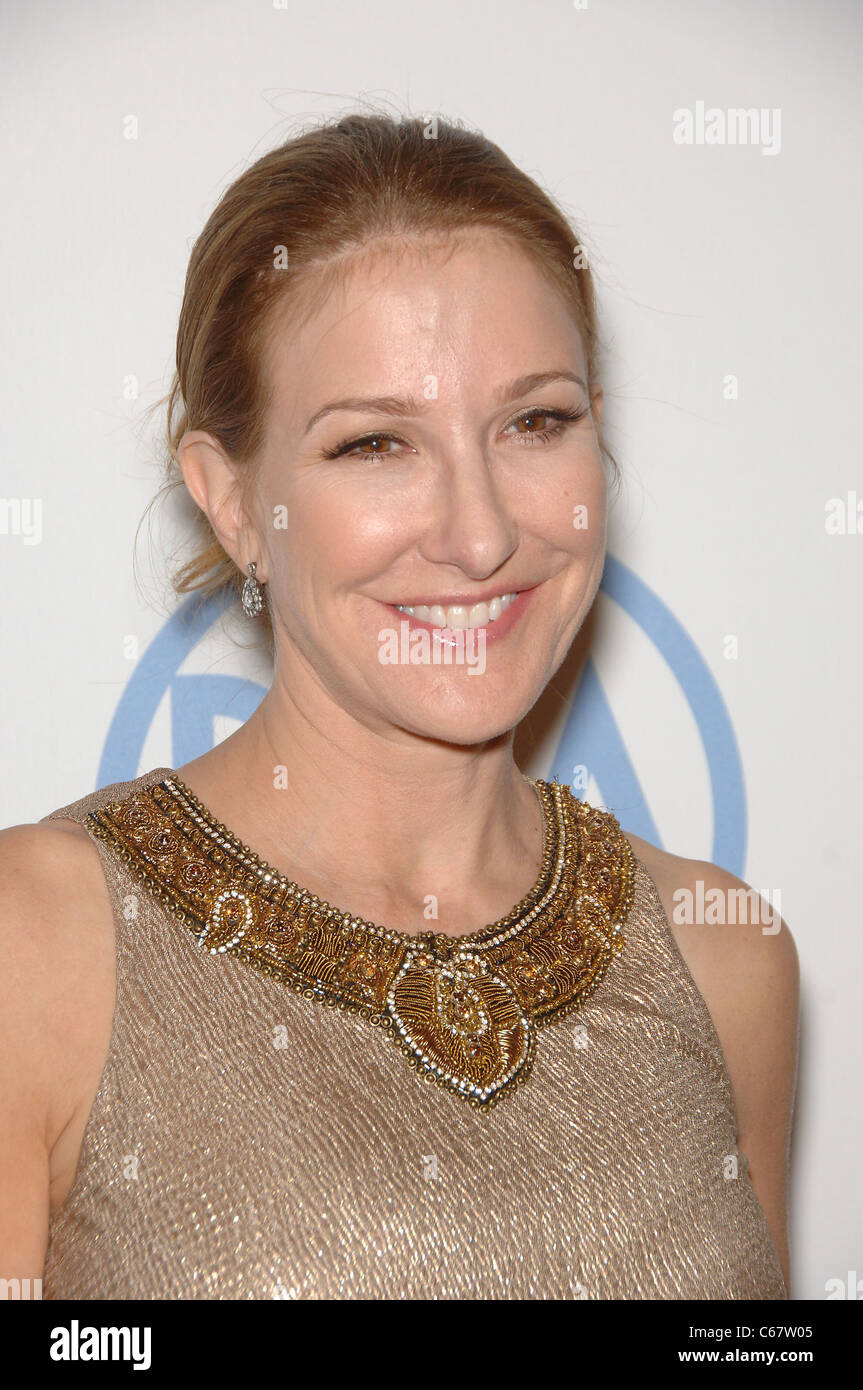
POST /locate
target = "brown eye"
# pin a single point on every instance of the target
(545, 426)
(535, 420)
(373, 442)
(367, 446)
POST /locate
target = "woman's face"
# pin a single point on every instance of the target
(415, 448)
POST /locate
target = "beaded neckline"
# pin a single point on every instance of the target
(521, 915)
(463, 1009)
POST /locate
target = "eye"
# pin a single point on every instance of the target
(366, 447)
(544, 424)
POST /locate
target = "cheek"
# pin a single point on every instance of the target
(338, 538)
(587, 512)
(568, 508)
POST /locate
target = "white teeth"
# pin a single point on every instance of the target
(457, 615)
(478, 615)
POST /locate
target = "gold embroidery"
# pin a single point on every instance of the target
(465, 1010)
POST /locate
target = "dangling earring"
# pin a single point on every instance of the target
(253, 594)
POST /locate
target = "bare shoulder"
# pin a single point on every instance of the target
(743, 959)
(744, 962)
(56, 1006)
(721, 924)
(57, 946)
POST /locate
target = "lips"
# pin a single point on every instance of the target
(494, 630)
(460, 615)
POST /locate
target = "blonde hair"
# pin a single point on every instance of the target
(325, 193)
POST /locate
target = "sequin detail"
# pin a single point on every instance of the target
(464, 1010)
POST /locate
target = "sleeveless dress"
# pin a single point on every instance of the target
(251, 1140)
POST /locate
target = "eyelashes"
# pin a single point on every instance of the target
(563, 419)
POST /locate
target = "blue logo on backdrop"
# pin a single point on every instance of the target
(591, 737)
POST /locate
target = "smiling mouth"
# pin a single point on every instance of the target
(459, 615)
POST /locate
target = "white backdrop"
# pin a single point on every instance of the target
(715, 261)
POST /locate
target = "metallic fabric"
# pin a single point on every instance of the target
(250, 1142)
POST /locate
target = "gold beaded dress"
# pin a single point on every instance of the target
(301, 1104)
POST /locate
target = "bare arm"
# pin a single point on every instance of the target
(55, 976)
(749, 979)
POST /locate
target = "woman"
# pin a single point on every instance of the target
(387, 410)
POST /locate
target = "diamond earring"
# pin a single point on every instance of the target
(253, 594)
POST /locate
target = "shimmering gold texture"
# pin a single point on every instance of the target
(249, 1142)
(464, 1009)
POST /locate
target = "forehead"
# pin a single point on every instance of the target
(474, 305)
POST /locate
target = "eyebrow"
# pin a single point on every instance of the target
(409, 405)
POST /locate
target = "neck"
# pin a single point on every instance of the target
(385, 824)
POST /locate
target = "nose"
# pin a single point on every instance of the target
(472, 527)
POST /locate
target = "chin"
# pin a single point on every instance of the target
(451, 716)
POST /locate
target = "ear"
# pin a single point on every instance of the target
(214, 484)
